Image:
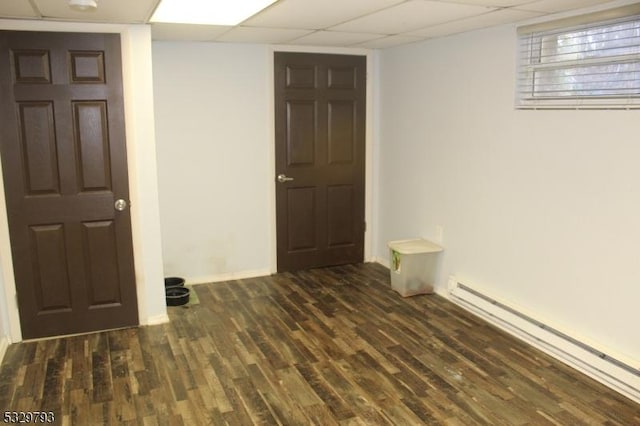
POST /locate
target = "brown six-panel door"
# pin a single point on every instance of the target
(62, 141)
(320, 159)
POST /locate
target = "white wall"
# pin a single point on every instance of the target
(539, 208)
(4, 320)
(215, 134)
(145, 220)
(214, 146)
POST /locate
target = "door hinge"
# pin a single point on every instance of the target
(365, 226)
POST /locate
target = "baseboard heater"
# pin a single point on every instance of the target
(616, 373)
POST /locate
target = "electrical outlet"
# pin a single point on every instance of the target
(439, 234)
(452, 283)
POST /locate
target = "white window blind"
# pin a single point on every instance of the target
(583, 62)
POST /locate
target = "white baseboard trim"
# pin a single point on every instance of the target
(4, 344)
(610, 374)
(229, 276)
(156, 320)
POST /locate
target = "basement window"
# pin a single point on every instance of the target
(588, 61)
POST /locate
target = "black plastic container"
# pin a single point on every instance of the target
(171, 282)
(177, 296)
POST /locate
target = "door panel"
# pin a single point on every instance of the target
(342, 77)
(31, 66)
(340, 207)
(301, 133)
(320, 145)
(64, 162)
(101, 262)
(299, 75)
(87, 66)
(51, 278)
(302, 213)
(342, 129)
(92, 145)
(39, 152)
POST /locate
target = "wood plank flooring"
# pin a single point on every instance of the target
(332, 346)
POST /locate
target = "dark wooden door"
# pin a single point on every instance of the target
(320, 153)
(64, 161)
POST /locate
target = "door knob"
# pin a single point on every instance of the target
(283, 178)
(120, 205)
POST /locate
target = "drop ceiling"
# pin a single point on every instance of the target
(352, 23)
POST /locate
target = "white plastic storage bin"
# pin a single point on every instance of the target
(414, 265)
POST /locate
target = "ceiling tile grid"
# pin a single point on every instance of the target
(388, 41)
(314, 14)
(17, 9)
(375, 24)
(336, 38)
(186, 32)
(116, 11)
(242, 34)
(410, 16)
(495, 17)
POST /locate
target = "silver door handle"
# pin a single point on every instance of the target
(284, 178)
(120, 205)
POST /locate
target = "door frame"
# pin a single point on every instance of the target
(142, 168)
(369, 140)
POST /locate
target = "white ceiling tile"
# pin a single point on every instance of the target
(161, 31)
(410, 16)
(334, 38)
(552, 6)
(125, 11)
(17, 9)
(389, 41)
(365, 23)
(315, 14)
(262, 35)
(490, 3)
(497, 17)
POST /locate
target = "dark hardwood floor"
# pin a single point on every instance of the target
(327, 346)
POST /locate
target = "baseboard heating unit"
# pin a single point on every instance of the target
(621, 375)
